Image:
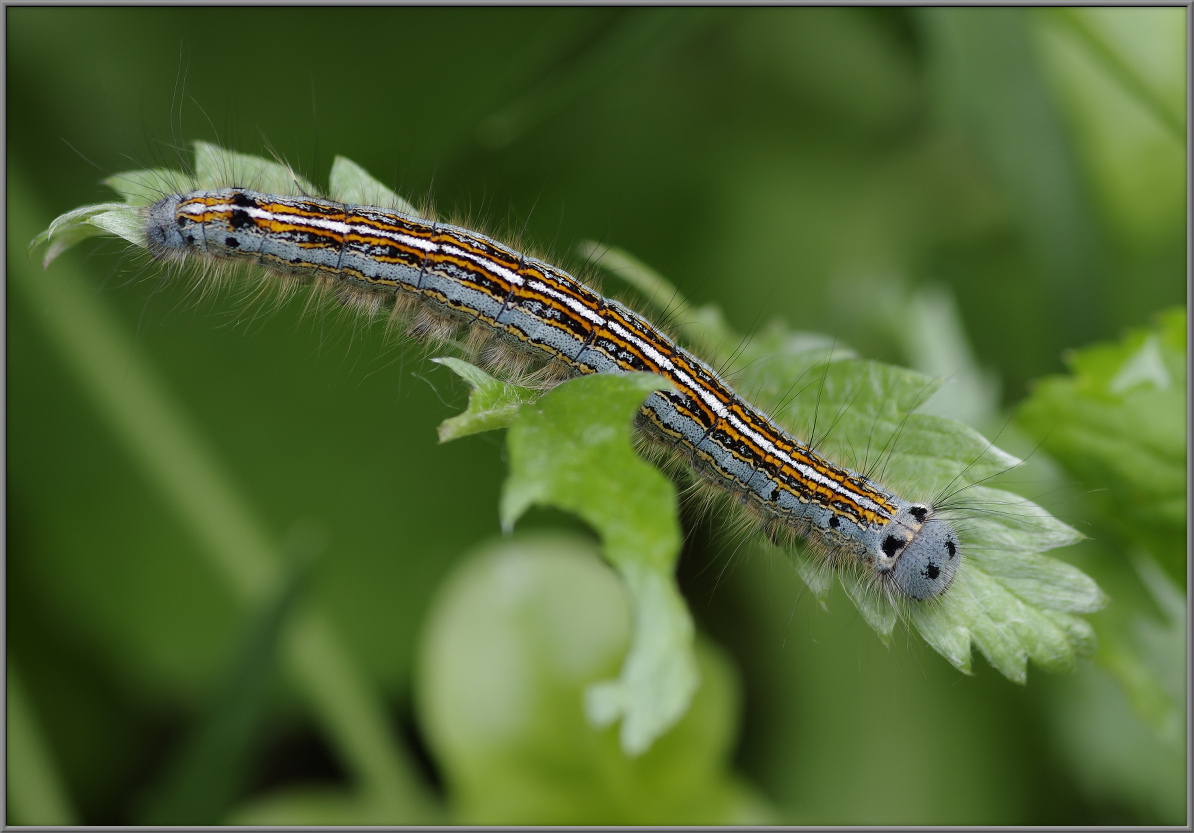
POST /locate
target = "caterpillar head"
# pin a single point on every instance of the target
(918, 552)
(163, 238)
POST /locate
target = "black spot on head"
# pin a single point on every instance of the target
(951, 547)
(231, 242)
(919, 512)
(892, 545)
(240, 219)
(243, 200)
(932, 571)
(835, 521)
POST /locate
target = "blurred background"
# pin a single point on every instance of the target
(829, 167)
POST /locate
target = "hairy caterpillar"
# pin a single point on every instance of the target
(467, 278)
(442, 280)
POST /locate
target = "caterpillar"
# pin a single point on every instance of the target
(897, 559)
(443, 276)
(467, 278)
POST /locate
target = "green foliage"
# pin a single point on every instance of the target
(1118, 426)
(213, 167)
(492, 403)
(352, 183)
(514, 645)
(1009, 601)
(1118, 423)
(36, 793)
(829, 167)
(74, 227)
(571, 450)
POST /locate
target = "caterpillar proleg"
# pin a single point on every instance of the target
(378, 253)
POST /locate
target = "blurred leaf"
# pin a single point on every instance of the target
(215, 762)
(311, 805)
(841, 61)
(1146, 653)
(36, 794)
(1105, 37)
(517, 635)
(1140, 763)
(987, 78)
(572, 450)
(639, 34)
(933, 336)
(164, 442)
(1121, 74)
(1118, 424)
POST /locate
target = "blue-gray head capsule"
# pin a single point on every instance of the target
(917, 552)
(164, 239)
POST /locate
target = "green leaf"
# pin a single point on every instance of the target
(74, 227)
(122, 222)
(517, 634)
(125, 219)
(216, 167)
(349, 182)
(148, 186)
(1013, 604)
(1117, 423)
(572, 450)
(492, 403)
(1007, 600)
